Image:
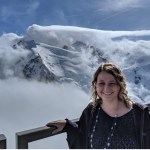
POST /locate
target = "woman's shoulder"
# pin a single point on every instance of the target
(90, 109)
(89, 106)
(141, 105)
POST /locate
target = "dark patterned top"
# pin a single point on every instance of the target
(123, 134)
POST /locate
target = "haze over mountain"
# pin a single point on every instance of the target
(50, 68)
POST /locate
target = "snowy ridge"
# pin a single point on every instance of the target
(71, 54)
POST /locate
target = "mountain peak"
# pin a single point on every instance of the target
(71, 54)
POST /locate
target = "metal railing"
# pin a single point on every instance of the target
(23, 138)
(2, 141)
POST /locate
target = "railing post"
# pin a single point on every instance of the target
(21, 142)
(2, 141)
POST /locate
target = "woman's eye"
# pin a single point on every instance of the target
(101, 84)
(112, 84)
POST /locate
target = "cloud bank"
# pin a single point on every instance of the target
(26, 105)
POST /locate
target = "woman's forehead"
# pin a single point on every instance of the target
(105, 76)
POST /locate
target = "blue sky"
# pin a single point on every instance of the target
(17, 15)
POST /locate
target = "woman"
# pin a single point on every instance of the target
(111, 120)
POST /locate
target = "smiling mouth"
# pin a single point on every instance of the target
(107, 93)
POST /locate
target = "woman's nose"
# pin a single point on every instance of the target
(107, 88)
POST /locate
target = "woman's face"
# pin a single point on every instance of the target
(107, 87)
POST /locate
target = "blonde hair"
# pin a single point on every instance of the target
(120, 79)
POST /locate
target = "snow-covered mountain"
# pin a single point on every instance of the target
(57, 60)
(71, 54)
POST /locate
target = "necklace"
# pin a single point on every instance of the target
(111, 134)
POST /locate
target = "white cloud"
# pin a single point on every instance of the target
(8, 55)
(26, 105)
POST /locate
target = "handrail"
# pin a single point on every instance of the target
(24, 137)
(2, 141)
